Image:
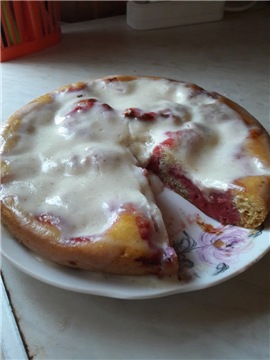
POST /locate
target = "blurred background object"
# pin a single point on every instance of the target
(28, 26)
(146, 15)
(75, 11)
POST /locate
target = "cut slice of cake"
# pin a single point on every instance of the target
(74, 194)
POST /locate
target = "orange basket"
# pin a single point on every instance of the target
(28, 27)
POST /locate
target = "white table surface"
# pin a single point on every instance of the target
(228, 321)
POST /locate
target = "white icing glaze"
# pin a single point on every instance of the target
(83, 161)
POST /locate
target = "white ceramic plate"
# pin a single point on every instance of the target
(209, 254)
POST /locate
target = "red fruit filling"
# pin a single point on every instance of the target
(144, 226)
(135, 113)
(49, 219)
(83, 106)
(218, 205)
(87, 104)
(139, 114)
(80, 239)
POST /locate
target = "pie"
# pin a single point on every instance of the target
(76, 165)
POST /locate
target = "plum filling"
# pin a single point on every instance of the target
(87, 104)
(144, 227)
(49, 219)
(80, 239)
(139, 114)
(135, 113)
(216, 204)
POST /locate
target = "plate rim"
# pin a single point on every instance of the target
(117, 293)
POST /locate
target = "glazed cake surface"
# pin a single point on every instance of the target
(76, 165)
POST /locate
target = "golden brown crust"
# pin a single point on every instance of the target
(253, 202)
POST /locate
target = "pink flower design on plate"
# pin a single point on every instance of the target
(224, 246)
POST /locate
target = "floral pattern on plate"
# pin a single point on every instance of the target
(211, 248)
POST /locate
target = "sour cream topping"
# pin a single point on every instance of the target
(83, 156)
